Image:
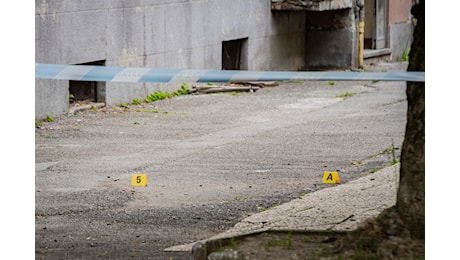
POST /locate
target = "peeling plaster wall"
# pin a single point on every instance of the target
(158, 33)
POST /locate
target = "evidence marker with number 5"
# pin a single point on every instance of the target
(139, 180)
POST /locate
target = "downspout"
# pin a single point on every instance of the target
(360, 5)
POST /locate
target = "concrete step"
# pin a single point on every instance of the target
(372, 56)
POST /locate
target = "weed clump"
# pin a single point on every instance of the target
(160, 95)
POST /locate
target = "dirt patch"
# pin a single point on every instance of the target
(278, 245)
(385, 237)
(316, 245)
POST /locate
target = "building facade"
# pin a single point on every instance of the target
(188, 34)
(332, 30)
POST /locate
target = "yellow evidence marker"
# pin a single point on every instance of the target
(139, 180)
(331, 177)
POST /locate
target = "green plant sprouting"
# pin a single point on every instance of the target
(160, 95)
(136, 101)
(405, 56)
(49, 118)
(392, 151)
(346, 94)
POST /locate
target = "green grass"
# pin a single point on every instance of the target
(374, 170)
(306, 239)
(346, 95)
(304, 193)
(136, 101)
(49, 118)
(405, 56)
(303, 209)
(155, 111)
(160, 95)
(40, 252)
(267, 208)
(391, 151)
(148, 111)
(156, 96)
(285, 242)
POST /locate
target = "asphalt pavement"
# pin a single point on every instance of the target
(218, 165)
(343, 207)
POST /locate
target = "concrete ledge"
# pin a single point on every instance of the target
(368, 53)
(75, 109)
(296, 5)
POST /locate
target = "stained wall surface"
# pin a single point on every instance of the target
(184, 34)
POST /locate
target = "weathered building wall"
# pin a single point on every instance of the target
(158, 33)
(400, 26)
(399, 11)
(331, 39)
(331, 31)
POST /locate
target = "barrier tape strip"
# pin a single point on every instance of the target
(140, 75)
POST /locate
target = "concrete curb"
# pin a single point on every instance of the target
(341, 208)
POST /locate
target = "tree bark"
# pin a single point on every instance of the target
(411, 194)
(399, 232)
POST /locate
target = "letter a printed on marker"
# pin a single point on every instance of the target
(331, 177)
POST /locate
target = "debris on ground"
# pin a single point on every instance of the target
(232, 87)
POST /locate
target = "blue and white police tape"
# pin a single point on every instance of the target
(120, 74)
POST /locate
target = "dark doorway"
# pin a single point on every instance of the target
(234, 54)
(88, 91)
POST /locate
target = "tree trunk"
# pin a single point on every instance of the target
(399, 231)
(411, 194)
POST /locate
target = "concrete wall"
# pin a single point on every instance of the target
(158, 33)
(400, 39)
(331, 39)
(399, 11)
(400, 26)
